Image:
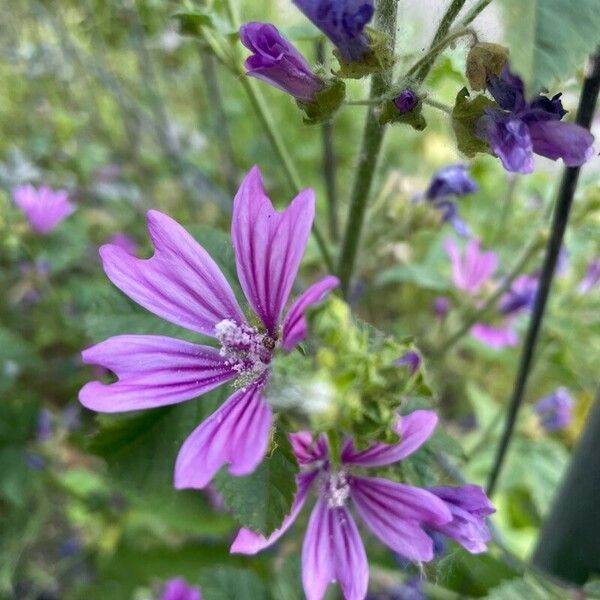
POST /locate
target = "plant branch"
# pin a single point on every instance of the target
(587, 104)
(474, 12)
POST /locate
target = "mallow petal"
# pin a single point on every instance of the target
(559, 139)
(495, 336)
(396, 514)
(333, 551)
(153, 370)
(237, 434)
(294, 324)
(307, 449)
(414, 429)
(269, 245)
(180, 282)
(251, 542)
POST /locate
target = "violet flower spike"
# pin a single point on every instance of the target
(519, 129)
(277, 61)
(555, 409)
(397, 513)
(343, 22)
(43, 207)
(178, 589)
(182, 284)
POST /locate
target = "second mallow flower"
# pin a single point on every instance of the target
(183, 284)
(400, 515)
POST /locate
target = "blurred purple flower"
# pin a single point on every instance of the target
(471, 269)
(183, 284)
(495, 336)
(396, 513)
(178, 589)
(406, 100)
(591, 277)
(555, 409)
(125, 242)
(275, 60)
(343, 22)
(519, 129)
(451, 180)
(441, 306)
(411, 359)
(449, 210)
(469, 506)
(44, 207)
(44, 425)
(521, 295)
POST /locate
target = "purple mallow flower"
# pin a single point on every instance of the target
(43, 207)
(406, 100)
(555, 409)
(178, 589)
(182, 284)
(495, 336)
(472, 269)
(519, 129)
(343, 22)
(397, 513)
(591, 277)
(278, 62)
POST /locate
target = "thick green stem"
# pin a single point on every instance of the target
(369, 153)
(587, 104)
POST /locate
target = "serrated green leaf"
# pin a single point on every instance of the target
(261, 500)
(227, 583)
(550, 39)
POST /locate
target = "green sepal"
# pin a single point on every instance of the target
(378, 58)
(413, 118)
(325, 103)
(465, 115)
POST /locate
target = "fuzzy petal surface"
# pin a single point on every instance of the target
(153, 371)
(180, 282)
(294, 324)
(237, 434)
(269, 245)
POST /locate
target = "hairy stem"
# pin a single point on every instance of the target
(585, 111)
(368, 156)
(474, 12)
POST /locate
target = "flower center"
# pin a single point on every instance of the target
(247, 350)
(337, 489)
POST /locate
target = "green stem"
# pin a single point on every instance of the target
(474, 12)
(507, 207)
(439, 105)
(368, 156)
(585, 112)
(530, 250)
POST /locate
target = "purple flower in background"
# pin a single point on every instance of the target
(451, 180)
(178, 589)
(406, 100)
(44, 425)
(182, 284)
(520, 296)
(411, 359)
(343, 22)
(469, 506)
(441, 306)
(43, 207)
(495, 336)
(123, 241)
(555, 409)
(276, 61)
(519, 129)
(471, 269)
(591, 277)
(398, 514)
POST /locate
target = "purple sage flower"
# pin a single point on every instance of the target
(182, 283)
(278, 62)
(43, 207)
(411, 359)
(591, 277)
(555, 409)
(406, 100)
(451, 180)
(519, 129)
(343, 22)
(123, 241)
(397, 513)
(473, 268)
(178, 589)
(520, 296)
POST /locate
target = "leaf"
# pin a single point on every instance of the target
(261, 500)
(227, 583)
(550, 39)
(465, 115)
(526, 588)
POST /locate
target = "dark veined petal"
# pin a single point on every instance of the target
(251, 542)
(180, 282)
(307, 449)
(294, 324)
(333, 551)
(153, 371)
(237, 434)
(414, 429)
(269, 246)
